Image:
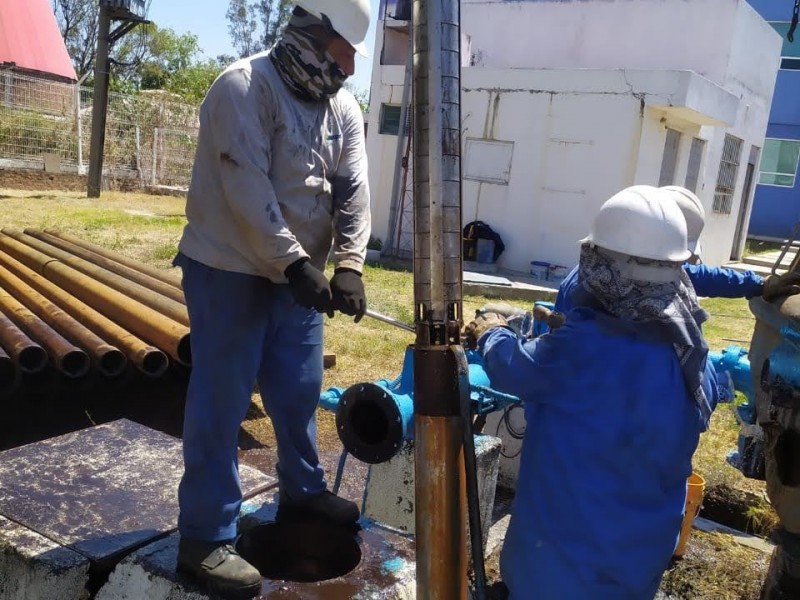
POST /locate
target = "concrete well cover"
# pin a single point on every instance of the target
(101, 491)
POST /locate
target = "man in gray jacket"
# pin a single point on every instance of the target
(280, 176)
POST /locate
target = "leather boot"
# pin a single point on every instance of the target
(220, 568)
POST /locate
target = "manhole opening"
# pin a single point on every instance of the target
(302, 552)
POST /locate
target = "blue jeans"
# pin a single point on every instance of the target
(245, 328)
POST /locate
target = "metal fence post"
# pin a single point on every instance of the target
(153, 176)
(80, 127)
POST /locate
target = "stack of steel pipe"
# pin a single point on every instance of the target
(75, 306)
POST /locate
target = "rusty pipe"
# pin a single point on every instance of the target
(9, 374)
(439, 512)
(29, 356)
(172, 279)
(151, 283)
(141, 320)
(167, 307)
(149, 360)
(108, 359)
(68, 358)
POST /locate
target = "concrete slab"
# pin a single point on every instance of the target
(389, 495)
(739, 537)
(386, 571)
(508, 425)
(33, 567)
(102, 491)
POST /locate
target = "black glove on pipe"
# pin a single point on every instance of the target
(309, 286)
(348, 293)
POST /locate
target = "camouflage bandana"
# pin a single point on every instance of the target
(308, 70)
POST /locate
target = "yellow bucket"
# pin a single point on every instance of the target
(694, 498)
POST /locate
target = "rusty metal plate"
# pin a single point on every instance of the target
(101, 491)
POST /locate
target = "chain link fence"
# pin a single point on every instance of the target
(150, 137)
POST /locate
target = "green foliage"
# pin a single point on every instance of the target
(255, 26)
(361, 95)
(170, 62)
(30, 133)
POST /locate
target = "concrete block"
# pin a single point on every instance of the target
(33, 567)
(389, 496)
(386, 570)
(52, 162)
(509, 426)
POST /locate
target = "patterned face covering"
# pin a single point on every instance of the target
(651, 300)
(304, 66)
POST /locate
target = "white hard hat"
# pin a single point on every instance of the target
(641, 221)
(349, 18)
(693, 212)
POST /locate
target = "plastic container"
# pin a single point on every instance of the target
(485, 251)
(557, 273)
(539, 270)
(694, 498)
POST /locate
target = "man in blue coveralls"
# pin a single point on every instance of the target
(615, 402)
(279, 179)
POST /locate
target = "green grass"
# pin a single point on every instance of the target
(755, 247)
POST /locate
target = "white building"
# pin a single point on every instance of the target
(566, 102)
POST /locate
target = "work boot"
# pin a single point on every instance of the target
(326, 505)
(220, 568)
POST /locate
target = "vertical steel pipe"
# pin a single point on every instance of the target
(108, 359)
(171, 278)
(170, 308)
(128, 273)
(440, 490)
(148, 359)
(67, 358)
(148, 324)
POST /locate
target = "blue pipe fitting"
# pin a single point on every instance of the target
(373, 420)
(733, 361)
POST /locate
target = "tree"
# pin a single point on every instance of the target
(256, 26)
(77, 20)
(361, 95)
(274, 15)
(170, 62)
(242, 27)
(78, 23)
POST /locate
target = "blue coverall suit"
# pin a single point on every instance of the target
(606, 456)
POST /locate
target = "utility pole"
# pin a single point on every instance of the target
(130, 15)
(440, 492)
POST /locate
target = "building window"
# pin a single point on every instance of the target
(390, 119)
(779, 162)
(669, 158)
(790, 64)
(726, 179)
(695, 160)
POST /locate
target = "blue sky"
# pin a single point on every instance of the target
(207, 21)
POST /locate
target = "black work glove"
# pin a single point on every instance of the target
(309, 286)
(348, 293)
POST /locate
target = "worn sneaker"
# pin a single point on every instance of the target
(220, 568)
(327, 506)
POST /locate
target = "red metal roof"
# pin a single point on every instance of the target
(30, 38)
